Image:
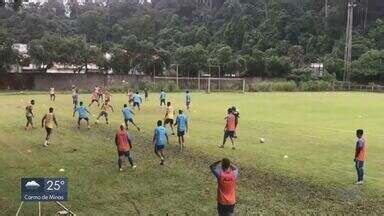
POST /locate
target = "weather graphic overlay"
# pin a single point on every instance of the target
(44, 189)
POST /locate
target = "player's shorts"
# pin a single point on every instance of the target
(162, 101)
(103, 113)
(129, 120)
(52, 95)
(225, 209)
(136, 104)
(49, 130)
(188, 103)
(230, 134)
(168, 121)
(180, 133)
(159, 147)
(29, 118)
(74, 102)
(85, 118)
(123, 153)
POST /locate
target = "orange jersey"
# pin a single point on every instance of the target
(360, 152)
(231, 122)
(122, 141)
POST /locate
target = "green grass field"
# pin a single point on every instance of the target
(315, 130)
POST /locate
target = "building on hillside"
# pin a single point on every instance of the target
(317, 69)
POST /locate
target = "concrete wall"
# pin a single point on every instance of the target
(42, 81)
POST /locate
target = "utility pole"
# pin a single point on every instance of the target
(348, 42)
(326, 13)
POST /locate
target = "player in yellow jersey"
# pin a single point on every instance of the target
(168, 119)
(48, 120)
(104, 111)
(29, 114)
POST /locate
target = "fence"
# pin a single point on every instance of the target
(355, 87)
(204, 83)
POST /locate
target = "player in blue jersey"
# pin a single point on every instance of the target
(182, 128)
(83, 114)
(137, 100)
(163, 97)
(188, 100)
(160, 138)
(128, 116)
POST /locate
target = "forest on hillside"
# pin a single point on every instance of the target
(263, 38)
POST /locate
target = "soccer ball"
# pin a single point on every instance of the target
(262, 140)
(97, 122)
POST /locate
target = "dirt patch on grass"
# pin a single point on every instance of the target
(308, 197)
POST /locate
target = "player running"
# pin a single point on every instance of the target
(360, 151)
(130, 96)
(75, 98)
(104, 111)
(168, 119)
(146, 94)
(182, 128)
(188, 100)
(94, 98)
(137, 100)
(83, 114)
(107, 95)
(160, 138)
(226, 175)
(128, 116)
(163, 97)
(52, 95)
(229, 129)
(236, 113)
(29, 114)
(124, 146)
(48, 121)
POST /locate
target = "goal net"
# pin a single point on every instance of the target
(207, 84)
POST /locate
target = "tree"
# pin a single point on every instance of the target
(369, 67)
(191, 59)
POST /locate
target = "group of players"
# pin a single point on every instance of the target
(122, 139)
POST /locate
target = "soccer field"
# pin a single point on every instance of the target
(315, 130)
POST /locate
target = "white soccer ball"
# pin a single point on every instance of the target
(360, 116)
(97, 122)
(285, 156)
(262, 140)
(61, 170)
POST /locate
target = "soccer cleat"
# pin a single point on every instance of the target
(220, 146)
(359, 183)
(121, 169)
(233, 148)
(89, 127)
(134, 167)
(138, 128)
(46, 144)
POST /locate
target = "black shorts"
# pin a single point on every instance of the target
(180, 133)
(168, 121)
(123, 153)
(128, 120)
(225, 210)
(103, 113)
(29, 118)
(162, 101)
(49, 130)
(230, 134)
(136, 104)
(159, 148)
(52, 95)
(85, 118)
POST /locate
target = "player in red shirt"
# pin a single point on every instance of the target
(359, 158)
(226, 175)
(229, 129)
(124, 146)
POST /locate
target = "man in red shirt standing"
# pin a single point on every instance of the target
(229, 129)
(124, 146)
(360, 156)
(226, 175)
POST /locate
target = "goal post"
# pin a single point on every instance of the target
(208, 84)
